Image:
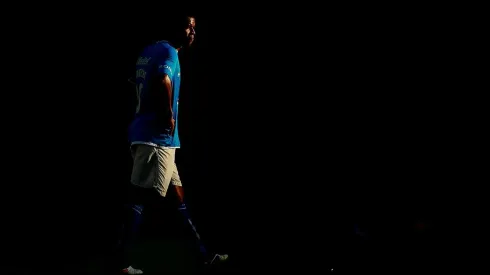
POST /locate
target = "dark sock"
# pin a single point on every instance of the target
(185, 213)
(130, 232)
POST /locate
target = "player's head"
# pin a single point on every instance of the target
(183, 33)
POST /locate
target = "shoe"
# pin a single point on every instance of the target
(217, 259)
(130, 270)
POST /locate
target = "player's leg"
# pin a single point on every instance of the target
(179, 191)
(129, 234)
(150, 178)
(146, 174)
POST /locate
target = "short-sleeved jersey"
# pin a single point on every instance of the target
(150, 124)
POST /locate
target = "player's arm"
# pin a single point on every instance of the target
(166, 70)
(167, 92)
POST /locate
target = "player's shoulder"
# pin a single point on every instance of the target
(166, 49)
(160, 48)
(159, 52)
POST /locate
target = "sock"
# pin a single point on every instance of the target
(130, 231)
(185, 213)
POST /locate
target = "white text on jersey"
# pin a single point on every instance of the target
(143, 60)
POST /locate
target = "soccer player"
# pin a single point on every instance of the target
(154, 133)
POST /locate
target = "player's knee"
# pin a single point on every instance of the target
(138, 195)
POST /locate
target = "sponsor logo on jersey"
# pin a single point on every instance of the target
(143, 60)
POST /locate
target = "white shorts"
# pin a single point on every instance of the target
(154, 167)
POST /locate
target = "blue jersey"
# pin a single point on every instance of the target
(150, 124)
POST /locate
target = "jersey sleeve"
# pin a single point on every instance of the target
(167, 63)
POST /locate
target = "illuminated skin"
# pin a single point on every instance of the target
(180, 193)
(190, 31)
(190, 34)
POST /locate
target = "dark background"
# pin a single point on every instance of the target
(293, 131)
